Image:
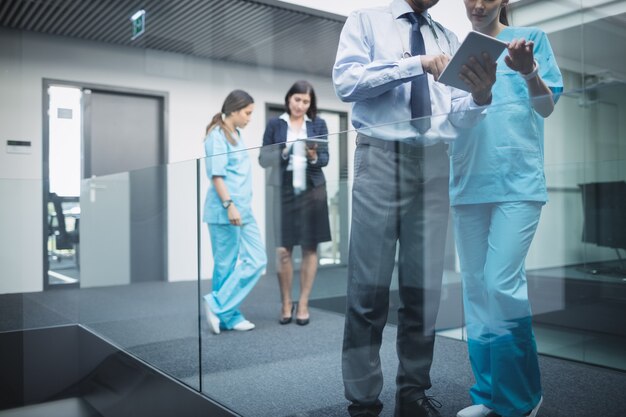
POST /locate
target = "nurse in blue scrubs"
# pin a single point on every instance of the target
(497, 190)
(238, 251)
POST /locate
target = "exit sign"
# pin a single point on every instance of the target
(138, 21)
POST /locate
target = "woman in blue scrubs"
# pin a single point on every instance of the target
(497, 190)
(238, 251)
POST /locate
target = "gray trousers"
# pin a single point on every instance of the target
(400, 195)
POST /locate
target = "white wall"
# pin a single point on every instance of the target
(20, 235)
(196, 88)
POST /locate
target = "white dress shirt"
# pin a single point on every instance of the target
(370, 71)
(297, 153)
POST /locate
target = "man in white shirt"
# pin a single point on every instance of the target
(388, 61)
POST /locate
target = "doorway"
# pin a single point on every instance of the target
(104, 176)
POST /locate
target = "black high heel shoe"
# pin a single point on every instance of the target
(302, 322)
(287, 320)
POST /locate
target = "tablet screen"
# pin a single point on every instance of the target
(474, 45)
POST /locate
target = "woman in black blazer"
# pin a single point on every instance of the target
(301, 217)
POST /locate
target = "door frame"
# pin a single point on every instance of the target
(45, 153)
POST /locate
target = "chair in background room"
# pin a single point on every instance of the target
(64, 239)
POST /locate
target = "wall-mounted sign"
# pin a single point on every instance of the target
(18, 146)
(64, 113)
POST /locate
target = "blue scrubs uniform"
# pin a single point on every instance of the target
(238, 251)
(497, 189)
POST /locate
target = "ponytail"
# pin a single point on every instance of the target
(217, 120)
(235, 101)
(503, 17)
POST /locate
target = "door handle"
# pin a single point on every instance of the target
(93, 187)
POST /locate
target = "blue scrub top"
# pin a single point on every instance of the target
(502, 158)
(232, 163)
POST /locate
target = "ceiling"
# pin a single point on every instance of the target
(265, 33)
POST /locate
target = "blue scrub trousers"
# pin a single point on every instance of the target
(492, 242)
(239, 257)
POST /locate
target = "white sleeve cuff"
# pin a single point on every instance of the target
(410, 67)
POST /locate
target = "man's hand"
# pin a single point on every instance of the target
(480, 77)
(434, 64)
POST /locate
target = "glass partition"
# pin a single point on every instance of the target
(135, 255)
(242, 370)
(568, 278)
(22, 305)
(237, 376)
(139, 261)
(147, 259)
(576, 262)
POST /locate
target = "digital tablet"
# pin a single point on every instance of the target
(474, 45)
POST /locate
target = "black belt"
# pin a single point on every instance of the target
(403, 147)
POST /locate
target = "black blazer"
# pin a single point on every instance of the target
(274, 140)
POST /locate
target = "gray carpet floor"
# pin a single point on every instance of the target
(279, 370)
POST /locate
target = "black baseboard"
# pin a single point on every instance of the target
(51, 364)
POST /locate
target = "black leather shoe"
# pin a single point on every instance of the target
(287, 320)
(358, 410)
(422, 407)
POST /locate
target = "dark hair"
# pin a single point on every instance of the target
(503, 17)
(303, 87)
(235, 101)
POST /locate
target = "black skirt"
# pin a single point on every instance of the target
(302, 219)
